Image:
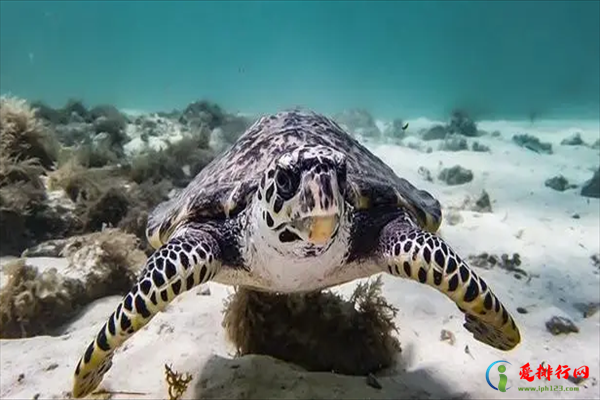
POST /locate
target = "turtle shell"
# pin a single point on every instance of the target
(225, 186)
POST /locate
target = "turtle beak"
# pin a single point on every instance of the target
(322, 229)
(320, 204)
(317, 230)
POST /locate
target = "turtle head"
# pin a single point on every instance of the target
(301, 197)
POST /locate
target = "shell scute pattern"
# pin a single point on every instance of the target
(226, 184)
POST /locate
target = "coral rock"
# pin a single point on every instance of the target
(456, 175)
(561, 325)
(532, 143)
(573, 140)
(559, 183)
(454, 143)
(592, 187)
(479, 148)
(36, 299)
(359, 122)
(435, 133)
(461, 124)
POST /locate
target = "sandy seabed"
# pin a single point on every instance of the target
(528, 218)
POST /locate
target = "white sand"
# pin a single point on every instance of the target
(554, 247)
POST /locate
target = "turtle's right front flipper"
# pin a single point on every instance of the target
(187, 260)
(407, 251)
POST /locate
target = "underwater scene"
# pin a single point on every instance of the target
(299, 199)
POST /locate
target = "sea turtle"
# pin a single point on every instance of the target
(295, 205)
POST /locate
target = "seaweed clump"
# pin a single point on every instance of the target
(105, 197)
(318, 331)
(23, 135)
(27, 152)
(143, 199)
(203, 113)
(37, 301)
(22, 197)
(462, 124)
(93, 192)
(179, 162)
(94, 136)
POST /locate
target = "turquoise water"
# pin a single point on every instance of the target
(505, 60)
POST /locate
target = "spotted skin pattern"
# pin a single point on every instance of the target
(412, 253)
(176, 267)
(306, 182)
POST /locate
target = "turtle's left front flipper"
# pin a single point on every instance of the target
(409, 252)
(190, 258)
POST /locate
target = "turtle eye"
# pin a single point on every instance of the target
(287, 183)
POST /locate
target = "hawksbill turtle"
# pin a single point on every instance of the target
(295, 205)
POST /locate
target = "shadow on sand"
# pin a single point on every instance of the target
(263, 377)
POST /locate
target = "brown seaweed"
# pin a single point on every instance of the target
(318, 331)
